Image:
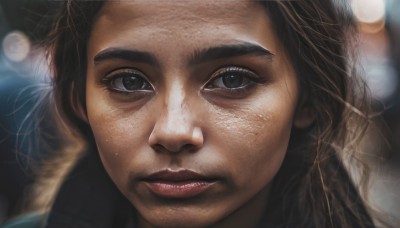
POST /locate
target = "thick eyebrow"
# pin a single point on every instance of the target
(125, 54)
(229, 51)
(199, 56)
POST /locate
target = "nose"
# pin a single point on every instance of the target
(175, 129)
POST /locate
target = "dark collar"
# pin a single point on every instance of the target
(89, 199)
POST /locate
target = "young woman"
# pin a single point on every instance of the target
(206, 114)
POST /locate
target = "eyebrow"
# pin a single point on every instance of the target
(199, 56)
(125, 54)
(229, 51)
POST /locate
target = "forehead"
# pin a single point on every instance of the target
(180, 22)
(164, 11)
(176, 15)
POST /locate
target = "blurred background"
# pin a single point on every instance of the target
(379, 50)
(24, 77)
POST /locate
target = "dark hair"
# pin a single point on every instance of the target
(315, 35)
(312, 188)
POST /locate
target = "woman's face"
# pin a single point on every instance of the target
(191, 104)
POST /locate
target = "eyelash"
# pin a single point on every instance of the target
(111, 80)
(248, 77)
(245, 80)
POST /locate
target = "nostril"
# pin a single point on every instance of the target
(173, 142)
(159, 148)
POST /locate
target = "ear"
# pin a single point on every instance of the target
(304, 115)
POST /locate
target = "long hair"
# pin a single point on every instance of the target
(316, 37)
(312, 188)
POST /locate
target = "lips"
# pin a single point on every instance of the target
(181, 184)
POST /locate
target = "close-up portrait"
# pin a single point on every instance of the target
(189, 113)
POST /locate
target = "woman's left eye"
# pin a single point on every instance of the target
(232, 78)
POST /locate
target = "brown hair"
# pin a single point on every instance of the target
(315, 36)
(312, 188)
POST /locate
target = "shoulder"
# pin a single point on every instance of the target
(32, 220)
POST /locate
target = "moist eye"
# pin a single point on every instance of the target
(232, 78)
(127, 80)
(232, 83)
(130, 83)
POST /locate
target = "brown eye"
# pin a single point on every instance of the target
(232, 78)
(132, 82)
(129, 81)
(233, 81)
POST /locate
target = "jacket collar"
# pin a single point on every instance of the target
(89, 199)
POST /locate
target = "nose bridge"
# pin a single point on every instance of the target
(175, 125)
(175, 113)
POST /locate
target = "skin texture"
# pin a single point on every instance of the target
(184, 118)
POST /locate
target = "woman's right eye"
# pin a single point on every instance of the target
(128, 81)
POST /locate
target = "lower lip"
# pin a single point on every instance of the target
(179, 190)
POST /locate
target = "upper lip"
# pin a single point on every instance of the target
(176, 176)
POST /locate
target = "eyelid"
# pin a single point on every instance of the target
(235, 69)
(115, 74)
(251, 75)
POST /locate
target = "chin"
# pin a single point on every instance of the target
(178, 219)
(180, 222)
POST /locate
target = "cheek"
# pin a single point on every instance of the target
(116, 134)
(254, 141)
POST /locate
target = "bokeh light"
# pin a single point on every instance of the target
(16, 46)
(370, 14)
